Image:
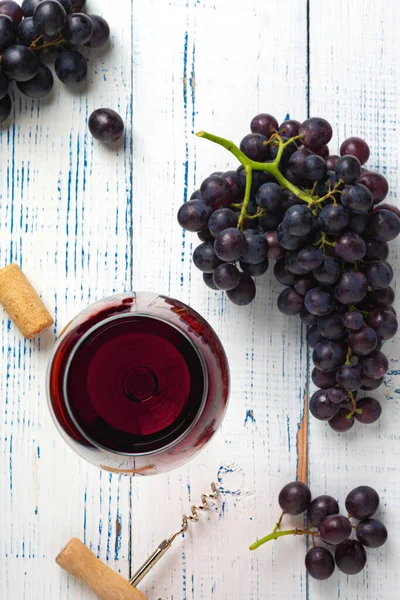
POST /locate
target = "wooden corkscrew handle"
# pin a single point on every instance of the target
(80, 562)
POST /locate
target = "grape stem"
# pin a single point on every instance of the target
(278, 525)
(277, 534)
(354, 408)
(251, 165)
(35, 48)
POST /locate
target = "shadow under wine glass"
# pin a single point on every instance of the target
(138, 383)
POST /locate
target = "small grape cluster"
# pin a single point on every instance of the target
(331, 528)
(319, 216)
(36, 31)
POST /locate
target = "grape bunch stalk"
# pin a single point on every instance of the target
(320, 217)
(332, 530)
(40, 30)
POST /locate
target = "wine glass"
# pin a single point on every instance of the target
(138, 383)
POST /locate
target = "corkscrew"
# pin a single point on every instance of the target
(78, 560)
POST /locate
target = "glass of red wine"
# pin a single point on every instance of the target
(138, 383)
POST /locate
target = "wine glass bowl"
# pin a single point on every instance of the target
(138, 383)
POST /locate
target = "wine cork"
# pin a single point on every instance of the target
(78, 560)
(22, 303)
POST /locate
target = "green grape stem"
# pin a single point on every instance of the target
(277, 534)
(35, 48)
(270, 167)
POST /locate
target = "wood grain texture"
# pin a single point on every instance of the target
(84, 221)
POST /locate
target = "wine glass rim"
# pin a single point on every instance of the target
(90, 331)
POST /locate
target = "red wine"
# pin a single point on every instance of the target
(135, 383)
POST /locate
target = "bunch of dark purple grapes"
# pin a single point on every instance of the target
(319, 216)
(325, 524)
(37, 30)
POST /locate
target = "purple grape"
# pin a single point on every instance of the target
(328, 272)
(4, 85)
(27, 31)
(314, 168)
(288, 241)
(255, 270)
(342, 421)
(71, 67)
(101, 32)
(306, 317)
(357, 222)
(350, 247)
(376, 250)
(379, 275)
(226, 277)
(265, 124)
(205, 236)
(310, 258)
(270, 221)
(362, 502)
(77, 5)
(331, 161)
(371, 384)
(205, 258)
(315, 132)
(5, 108)
(322, 379)
(304, 284)
(383, 225)
(254, 146)
(221, 219)
(78, 29)
(298, 220)
(229, 244)
(348, 168)
(351, 287)
(49, 17)
(269, 197)
(282, 273)
(244, 292)
(290, 302)
(356, 147)
(289, 199)
(375, 365)
(320, 508)
(292, 261)
(194, 215)
(107, 126)
(364, 341)
(357, 198)
(381, 298)
(274, 249)
(294, 498)
(12, 10)
(313, 336)
(377, 185)
(333, 219)
(259, 177)
(329, 356)
(322, 151)
(319, 563)
(321, 407)
(40, 85)
(7, 33)
(216, 192)
(209, 281)
(230, 177)
(350, 557)
(384, 322)
(28, 7)
(349, 377)
(255, 247)
(289, 128)
(331, 326)
(337, 395)
(334, 529)
(371, 533)
(353, 320)
(371, 410)
(296, 161)
(318, 302)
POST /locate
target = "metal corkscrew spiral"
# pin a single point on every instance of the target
(167, 543)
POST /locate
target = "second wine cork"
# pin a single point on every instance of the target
(22, 303)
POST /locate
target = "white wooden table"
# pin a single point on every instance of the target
(84, 221)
